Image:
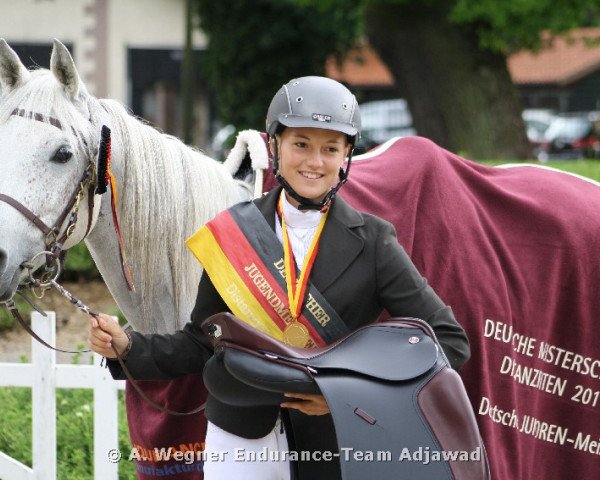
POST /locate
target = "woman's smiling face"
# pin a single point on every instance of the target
(310, 160)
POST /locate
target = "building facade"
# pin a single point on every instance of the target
(128, 50)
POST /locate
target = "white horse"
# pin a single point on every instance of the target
(166, 189)
(49, 137)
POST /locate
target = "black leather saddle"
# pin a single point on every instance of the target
(393, 397)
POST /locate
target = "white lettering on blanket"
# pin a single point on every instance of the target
(526, 362)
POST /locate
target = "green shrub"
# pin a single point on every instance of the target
(79, 264)
(75, 441)
(126, 468)
(7, 321)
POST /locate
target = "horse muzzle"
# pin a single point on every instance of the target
(5, 292)
(11, 275)
(8, 285)
(3, 260)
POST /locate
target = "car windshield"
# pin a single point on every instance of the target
(569, 128)
(384, 119)
(537, 125)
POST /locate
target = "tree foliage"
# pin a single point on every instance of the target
(255, 47)
(511, 25)
(448, 57)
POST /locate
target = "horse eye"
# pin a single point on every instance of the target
(62, 155)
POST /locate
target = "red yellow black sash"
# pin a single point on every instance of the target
(244, 260)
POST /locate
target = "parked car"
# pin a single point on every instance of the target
(382, 120)
(537, 121)
(571, 136)
(222, 142)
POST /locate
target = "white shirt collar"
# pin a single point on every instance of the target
(295, 218)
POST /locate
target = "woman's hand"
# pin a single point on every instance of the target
(309, 403)
(104, 332)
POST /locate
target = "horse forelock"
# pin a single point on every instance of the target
(43, 95)
(167, 191)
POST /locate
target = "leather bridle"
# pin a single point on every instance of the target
(53, 239)
(54, 251)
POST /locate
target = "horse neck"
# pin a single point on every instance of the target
(166, 191)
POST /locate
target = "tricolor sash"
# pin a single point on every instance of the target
(244, 259)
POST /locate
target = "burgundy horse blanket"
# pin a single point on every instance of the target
(514, 252)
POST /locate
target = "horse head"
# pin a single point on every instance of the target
(48, 144)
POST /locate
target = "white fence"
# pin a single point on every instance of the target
(44, 376)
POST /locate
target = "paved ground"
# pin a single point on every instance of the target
(71, 324)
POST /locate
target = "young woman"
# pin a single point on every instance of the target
(350, 262)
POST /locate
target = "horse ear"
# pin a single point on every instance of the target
(63, 68)
(13, 73)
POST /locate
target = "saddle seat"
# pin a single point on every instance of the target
(375, 350)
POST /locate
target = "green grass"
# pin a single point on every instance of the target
(586, 168)
(75, 420)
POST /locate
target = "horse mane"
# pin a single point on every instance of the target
(168, 191)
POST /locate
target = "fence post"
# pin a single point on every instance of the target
(106, 424)
(43, 398)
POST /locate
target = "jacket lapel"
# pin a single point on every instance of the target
(267, 205)
(339, 245)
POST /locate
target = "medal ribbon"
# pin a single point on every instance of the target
(296, 287)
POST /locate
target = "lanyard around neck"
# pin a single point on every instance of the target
(296, 287)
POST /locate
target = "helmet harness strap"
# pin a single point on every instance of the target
(306, 203)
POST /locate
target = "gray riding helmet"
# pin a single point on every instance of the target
(316, 102)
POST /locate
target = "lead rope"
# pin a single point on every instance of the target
(12, 307)
(79, 304)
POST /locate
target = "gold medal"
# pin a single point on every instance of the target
(296, 335)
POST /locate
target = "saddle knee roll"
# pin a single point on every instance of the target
(231, 380)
